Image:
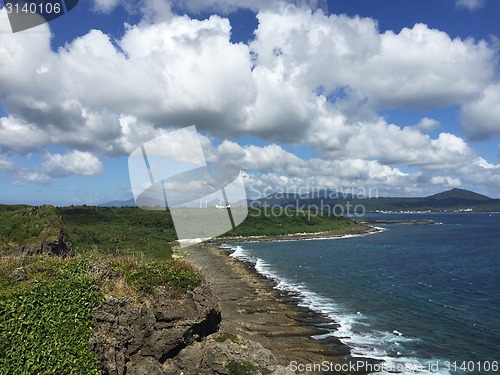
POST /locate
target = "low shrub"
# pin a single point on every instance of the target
(46, 325)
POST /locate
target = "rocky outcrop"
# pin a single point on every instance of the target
(58, 246)
(225, 354)
(35, 231)
(136, 339)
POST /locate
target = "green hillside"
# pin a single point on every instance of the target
(451, 200)
(125, 231)
(46, 301)
(132, 231)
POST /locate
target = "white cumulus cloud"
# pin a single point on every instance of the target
(308, 78)
(481, 117)
(73, 162)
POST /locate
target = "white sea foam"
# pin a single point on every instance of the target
(352, 329)
(238, 253)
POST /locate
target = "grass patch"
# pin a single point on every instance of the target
(129, 231)
(46, 319)
(240, 368)
(223, 337)
(144, 275)
(38, 270)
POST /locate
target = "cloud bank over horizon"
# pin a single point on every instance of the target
(308, 79)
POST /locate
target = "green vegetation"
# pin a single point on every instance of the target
(45, 325)
(12, 207)
(269, 223)
(223, 337)
(134, 231)
(27, 226)
(240, 368)
(145, 275)
(46, 301)
(126, 231)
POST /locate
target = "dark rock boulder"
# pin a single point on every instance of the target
(141, 365)
(133, 338)
(58, 246)
(224, 355)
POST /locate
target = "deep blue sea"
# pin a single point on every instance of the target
(412, 295)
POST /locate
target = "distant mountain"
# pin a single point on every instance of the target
(448, 201)
(460, 194)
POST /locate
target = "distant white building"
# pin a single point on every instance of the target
(220, 205)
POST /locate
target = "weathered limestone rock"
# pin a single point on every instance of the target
(136, 340)
(225, 354)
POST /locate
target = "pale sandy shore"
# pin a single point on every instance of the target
(253, 309)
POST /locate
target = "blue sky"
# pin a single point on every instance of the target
(395, 94)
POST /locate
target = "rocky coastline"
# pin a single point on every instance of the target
(234, 323)
(253, 310)
(171, 333)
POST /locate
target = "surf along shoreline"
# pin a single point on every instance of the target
(357, 230)
(254, 308)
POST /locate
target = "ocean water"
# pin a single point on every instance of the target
(423, 298)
